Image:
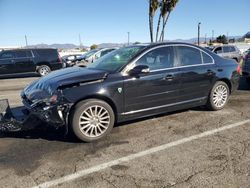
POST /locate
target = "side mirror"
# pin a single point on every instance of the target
(139, 69)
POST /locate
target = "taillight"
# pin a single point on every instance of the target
(238, 69)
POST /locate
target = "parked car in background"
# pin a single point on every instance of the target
(228, 51)
(69, 59)
(246, 53)
(129, 83)
(246, 67)
(19, 61)
(92, 56)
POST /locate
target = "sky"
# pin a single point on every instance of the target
(108, 21)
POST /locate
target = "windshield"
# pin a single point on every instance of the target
(116, 59)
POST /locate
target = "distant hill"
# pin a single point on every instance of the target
(58, 46)
(111, 45)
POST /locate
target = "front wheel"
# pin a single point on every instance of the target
(92, 120)
(218, 96)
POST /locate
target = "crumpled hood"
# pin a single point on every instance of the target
(63, 77)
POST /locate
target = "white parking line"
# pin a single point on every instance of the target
(103, 166)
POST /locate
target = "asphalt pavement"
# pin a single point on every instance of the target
(189, 148)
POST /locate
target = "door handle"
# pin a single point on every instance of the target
(169, 77)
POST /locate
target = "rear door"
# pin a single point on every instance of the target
(197, 70)
(24, 61)
(7, 63)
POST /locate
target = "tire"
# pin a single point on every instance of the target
(92, 126)
(43, 70)
(218, 96)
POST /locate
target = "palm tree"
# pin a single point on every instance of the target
(166, 9)
(153, 6)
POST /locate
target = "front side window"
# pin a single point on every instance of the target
(188, 56)
(117, 59)
(159, 58)
(7, 55)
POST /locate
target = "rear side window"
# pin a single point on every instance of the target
(47, 54)
(206, 58)
(188, 56)
(226, 49)
(232, 49)
(7, 55)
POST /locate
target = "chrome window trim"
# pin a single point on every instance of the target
(131, 65)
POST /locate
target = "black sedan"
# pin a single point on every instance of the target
(129, 83)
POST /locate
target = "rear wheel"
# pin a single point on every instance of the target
(218, 96)
(92, 120)
(43, 70)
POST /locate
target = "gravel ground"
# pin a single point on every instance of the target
(220, 160)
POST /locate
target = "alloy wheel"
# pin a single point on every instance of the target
(94, 121)
(220, 96)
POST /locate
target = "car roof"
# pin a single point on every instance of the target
(23, 49)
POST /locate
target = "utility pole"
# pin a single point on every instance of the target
(128, 38)
(212, 35)
(199, 28)
(80, 41)
(26, 40)
(206, 38)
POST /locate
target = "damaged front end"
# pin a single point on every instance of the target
(50, 108)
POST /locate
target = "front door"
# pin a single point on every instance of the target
(7, 64)
(155, 89)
